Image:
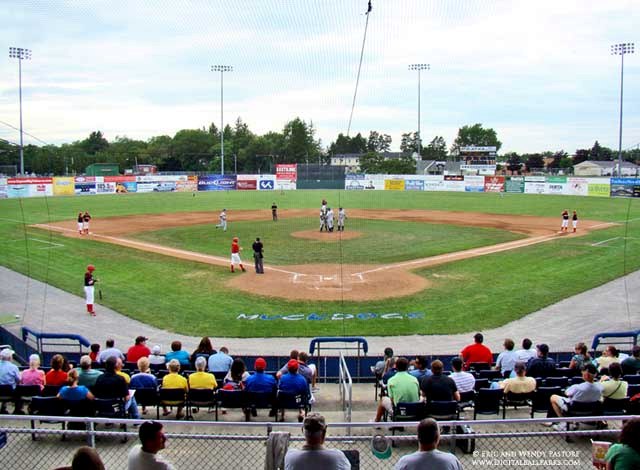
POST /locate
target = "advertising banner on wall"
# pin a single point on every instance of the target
(514, 184)
(474, 184)
(577, 186)
(625, 187)
(285, 185)
(394, 185)
(123, 184)
(413, 185)
(433, 183)
(287, 171)
(599, 189)
(216, 183)
(373, 182)
(246, 184)
(29, 187)
(190, 185)
(85, 185)
(557, 185)
(3, 188)
(266, 183)
(64, 186)
(105, 188)
(453, 183)
(535, 187)
(493, 184)
(353, 181)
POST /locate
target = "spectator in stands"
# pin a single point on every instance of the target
(309, 371)
(234, 380)
(580, 358)
(631, 365)
(72, 391)
(284, 369)
(56, 376)
(420, 367)
(428, 455)
(626, 454)
(112, 385)
(120, 372)
(174, 380)
(110, 351)
(201, 379)
(527, 352)
(439, 387)
(145, 456)
(381, 366)
(507, 359)
(293, 383)
(85, 458)
(9, 373)
(520, 383)
(609, 355)
(314, 454)
(542, 365)
(204, 349)
(220, 361)
(476, 352)
(143, 379)
(390, 371)
(402, 388)
(465, 381)
(156, 358)
(87, 376)
(585, 392)
(33, 375)
(178, 354)
(259, 381)
(613, 387)
(95, 352)
(138, 350)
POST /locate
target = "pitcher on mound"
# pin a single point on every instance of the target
(235, 255)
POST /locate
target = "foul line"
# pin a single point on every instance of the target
(46, 241)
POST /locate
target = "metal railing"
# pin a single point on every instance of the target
(498, 444)
(345, 385)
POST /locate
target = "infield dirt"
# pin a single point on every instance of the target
(325, 281)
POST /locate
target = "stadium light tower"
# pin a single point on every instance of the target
(419, 68)
(20, 54)
(222, 69)
(621, 49)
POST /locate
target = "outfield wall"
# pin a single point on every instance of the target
(95, 185)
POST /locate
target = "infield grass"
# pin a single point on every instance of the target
(191, 298)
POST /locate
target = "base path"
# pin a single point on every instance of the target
(578, 318)
(317, 281)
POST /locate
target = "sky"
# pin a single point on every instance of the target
(540, 73)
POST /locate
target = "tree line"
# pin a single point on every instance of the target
(198, 150)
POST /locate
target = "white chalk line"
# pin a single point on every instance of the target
(612, 239)
(55, 245)
(14, 220)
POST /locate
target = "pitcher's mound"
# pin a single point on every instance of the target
(326, 236)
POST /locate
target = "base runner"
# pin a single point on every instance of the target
(235, 254)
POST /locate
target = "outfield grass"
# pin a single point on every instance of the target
(190, 298)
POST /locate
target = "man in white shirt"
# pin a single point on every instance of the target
(465, 381)
(314, 455)
(223, 220)
(111, 350)
(428, 455)
(145, 456)
(527, 352)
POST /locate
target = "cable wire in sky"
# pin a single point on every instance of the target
(24, 132)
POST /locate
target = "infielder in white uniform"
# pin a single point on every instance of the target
(223, 220)
(341, 216)
(330, 219)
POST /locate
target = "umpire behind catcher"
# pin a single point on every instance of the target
(258, 255)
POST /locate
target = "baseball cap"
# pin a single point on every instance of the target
(292, 364)
(141, 339)
(260, 364)
(543, 348)
(313, 423)
(6, 353)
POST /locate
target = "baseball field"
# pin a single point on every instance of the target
(408, 262)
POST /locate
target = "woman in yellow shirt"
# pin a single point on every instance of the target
(174, 380)
(612, 386)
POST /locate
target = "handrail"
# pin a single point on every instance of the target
(41, 337)
(345, 385)
(361, 346)
(632, 336)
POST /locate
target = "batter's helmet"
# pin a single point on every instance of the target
(91, 267)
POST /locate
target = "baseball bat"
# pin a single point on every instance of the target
(100, 294)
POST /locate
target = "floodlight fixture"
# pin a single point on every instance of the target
(621, 49)
(21, 54)
(222, 69)
(419, 68)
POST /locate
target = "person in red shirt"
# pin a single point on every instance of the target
(57, 375)
(476, 352)
(235, 254)
(138, 350)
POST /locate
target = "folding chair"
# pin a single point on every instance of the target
(200, 398)
(46, 406)
(259, 400)
(487, 402)
(541, 402)
(230, 399)
(288, 401)
(516, 400)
